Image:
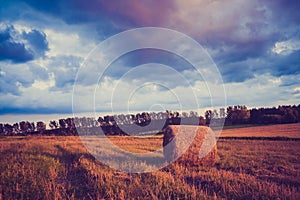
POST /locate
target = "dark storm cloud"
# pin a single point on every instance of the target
(239, 35)
(285, 12)
(241, 52)
(12, 50)
(275, 64)
(37, 41)
(285, 64)
(21, 47)
(118, 14)
(40, 110)
(248, 36)
(236, 72)
(244, 47)
(144, 56)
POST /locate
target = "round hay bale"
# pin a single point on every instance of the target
(190, 145)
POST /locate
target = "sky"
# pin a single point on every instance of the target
(255, 46)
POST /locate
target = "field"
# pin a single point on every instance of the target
(48, 167)
(287, 130)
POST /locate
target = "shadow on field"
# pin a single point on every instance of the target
(26, 174)
(76, 177)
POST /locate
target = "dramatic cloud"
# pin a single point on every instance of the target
(14, 77)
(65, 69)
(242, 34)
(37, 42)
(11, 49)
(126, 14)
(43, 44)
(286, 47)
(21, 47)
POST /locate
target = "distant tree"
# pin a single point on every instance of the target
(70, 123)
(229, 113)
(162, 115)
(282, 114)
(184, 115)
(208, 116)
(271, 119)
(8, 129)
(121, 119)
(53, 124)
(109, 124)
(16, 129)
(153, 116)
(237, 115)
(290, 116)
(1, 129)
(193, 114)
(128, 119)
(83, 122)
(215, 114)
(298, 109)
(62, 123)
(109, 120)
(169, 114)
(139, 118)
(40, 126)
(132, 118)
(93, 122)
(101, 121)
(31, 126)
(147, 117)
(176, 114)
(89, 122)
(23, 127)
(222, 113)
(26, 127)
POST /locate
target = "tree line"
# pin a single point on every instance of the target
(109, 125)
(145, 123)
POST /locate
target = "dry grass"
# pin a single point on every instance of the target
(61, 168)
(133, 144)
(281, 130)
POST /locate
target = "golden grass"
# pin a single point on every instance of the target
(281, 130)
(138, 144)
(61, 168)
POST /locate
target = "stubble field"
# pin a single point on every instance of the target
(49, 167)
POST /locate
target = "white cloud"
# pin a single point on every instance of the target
(214, 18)
(262, 90)
(44, 84)
(47, 82)
(296, 92)
(37, 98)
(286, 47)
(2, 73)
(67, 43)
(137, 95)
